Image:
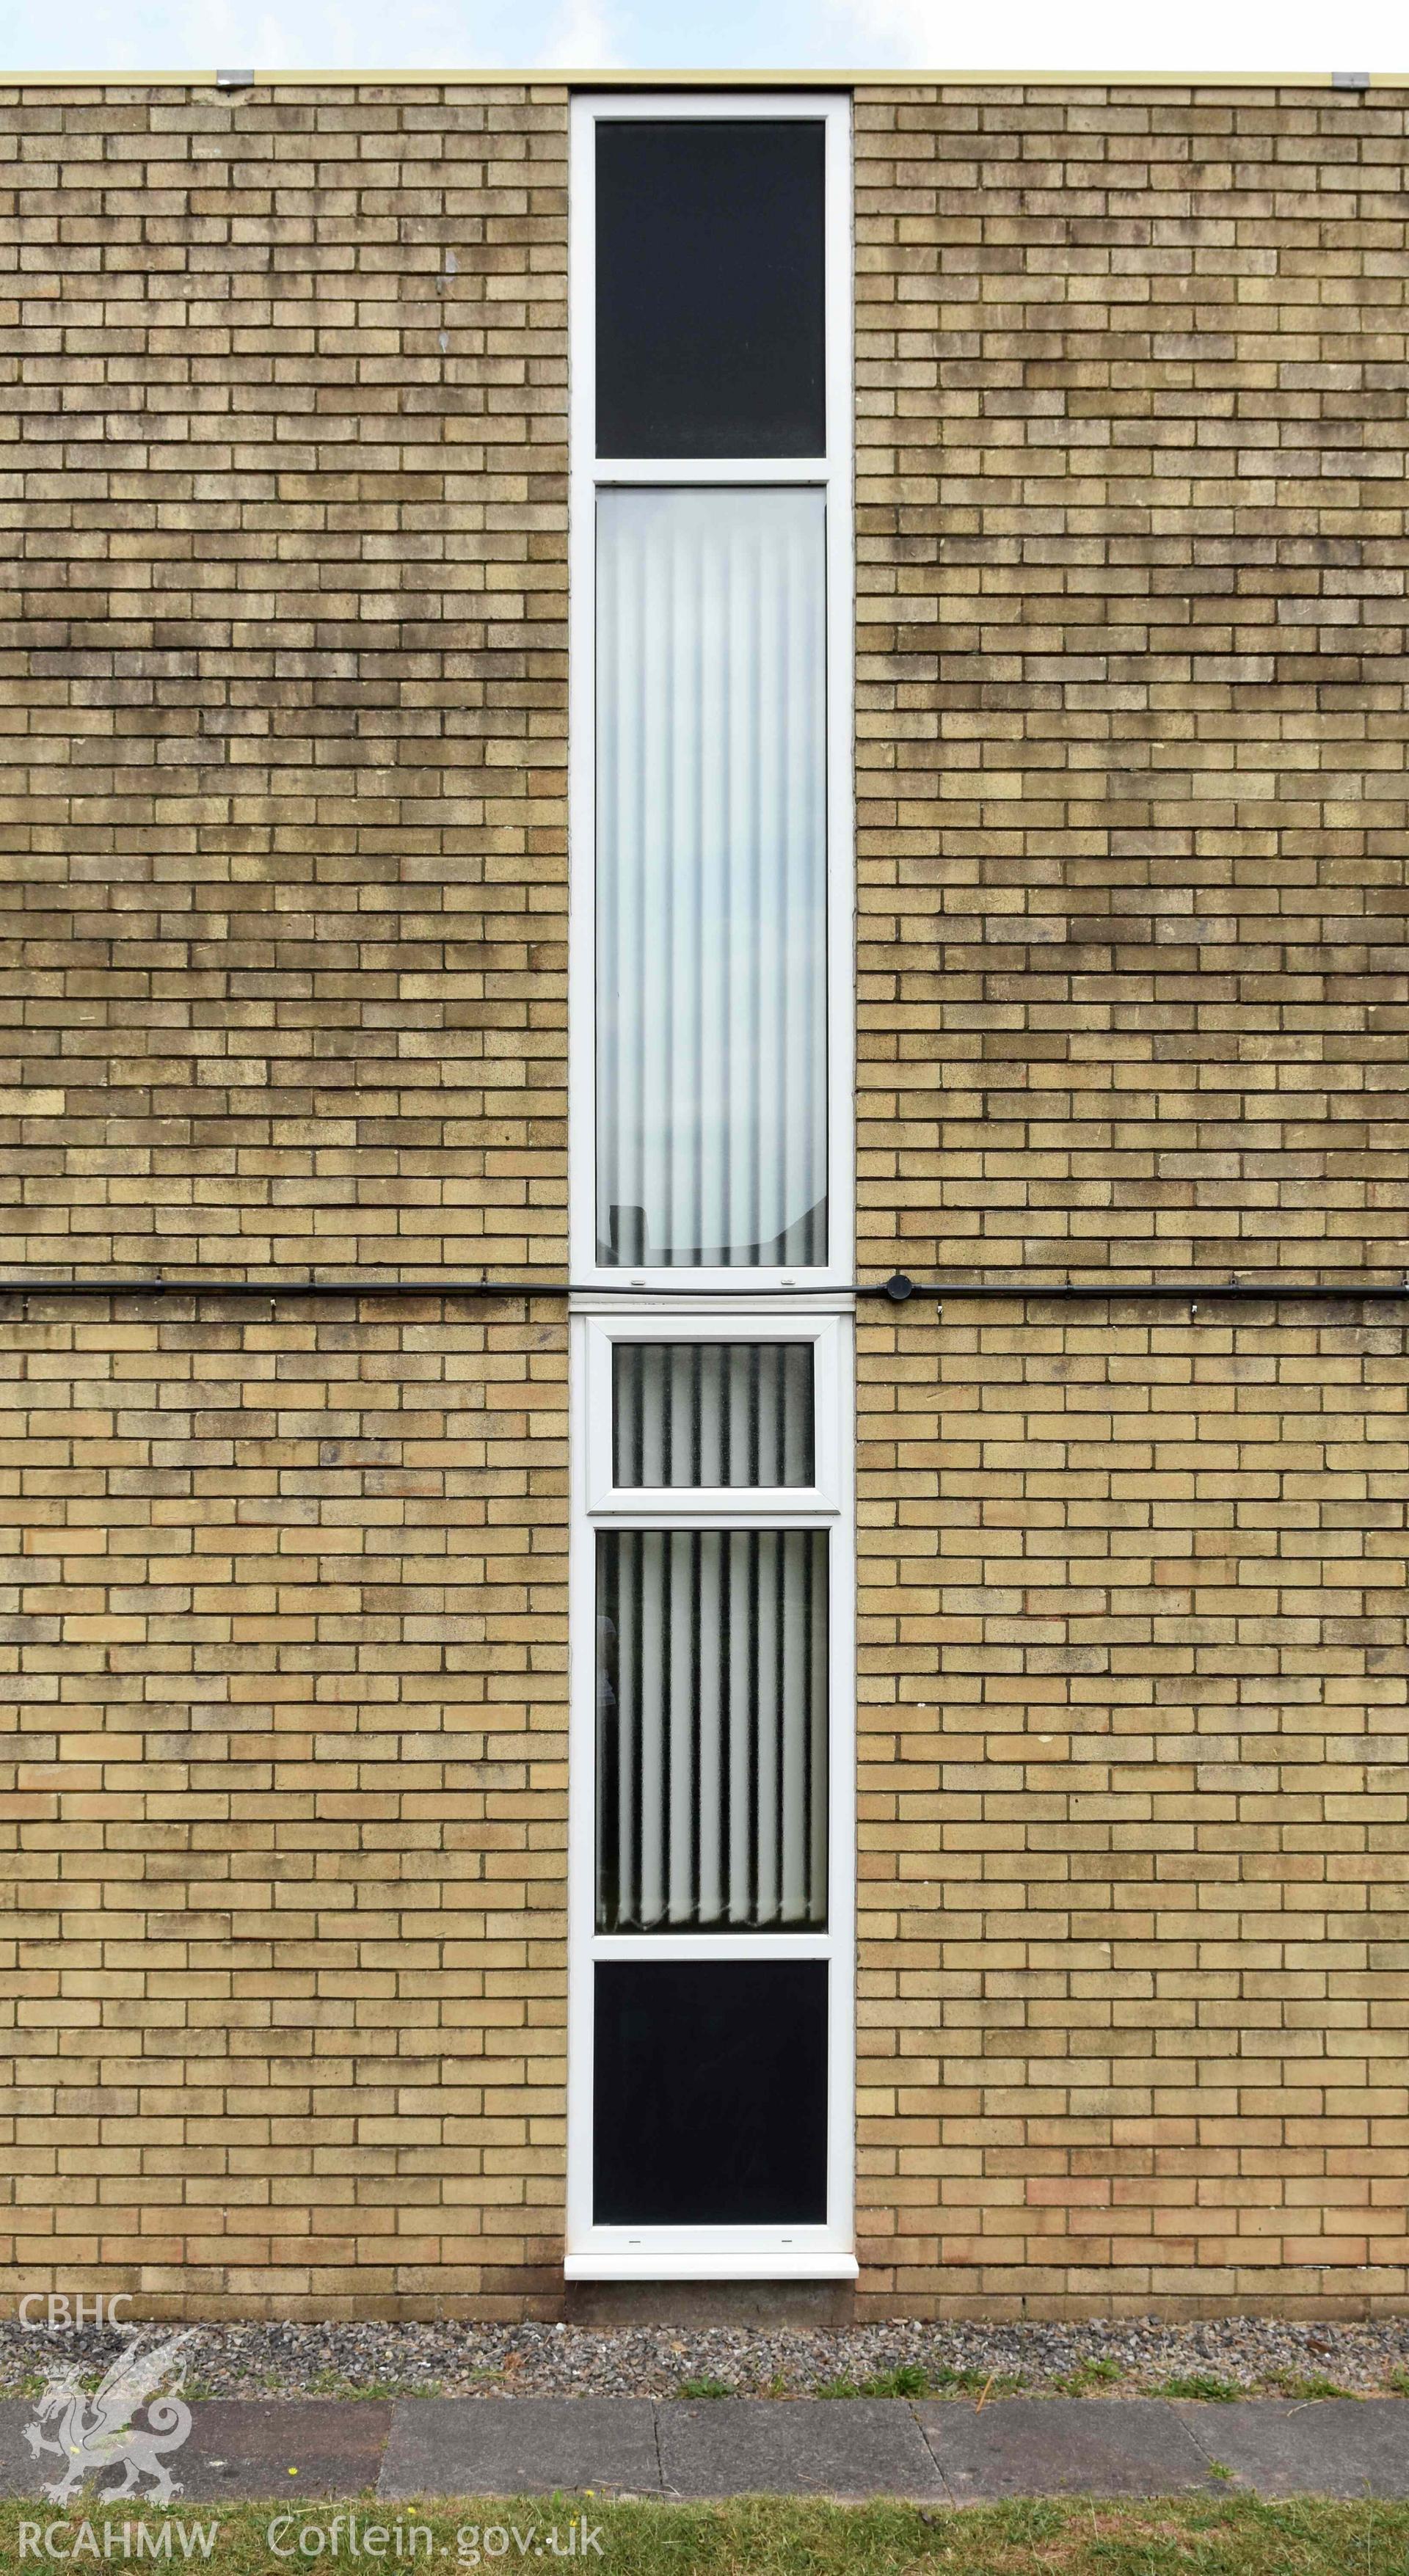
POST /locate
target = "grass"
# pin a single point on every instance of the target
(765, 2536)
(1288, 2383)
(706, 2388)
(1086, 2375)
(332, 2383)
(912, 2379)
(909, 2379)
(1201, 2383)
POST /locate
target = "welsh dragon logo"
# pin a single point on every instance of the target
(97, 2432)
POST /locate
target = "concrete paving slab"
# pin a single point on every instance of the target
(521, 2446)
(1284, 2446)
(858, 2446)
(236, 2447)
(344, 2448)
(1021, 2446)
(20, 2472)
(253, 2446)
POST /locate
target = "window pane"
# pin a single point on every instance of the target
(710, 2093)
(711, 879)
(710, 288)
(711, 1730)
(712, 1413)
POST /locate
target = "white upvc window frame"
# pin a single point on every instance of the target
(612, 1304)
(661, 1505)
(832, 474)
(824, 2252)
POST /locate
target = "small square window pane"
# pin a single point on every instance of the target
(712, 1413)
(710, 326)
(710, 2092)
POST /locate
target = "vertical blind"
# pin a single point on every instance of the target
(712, 1413)
(711, 878)
(712, 1730)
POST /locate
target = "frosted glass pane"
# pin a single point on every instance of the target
(711, 879)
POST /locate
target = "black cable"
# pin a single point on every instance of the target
(899, 1289)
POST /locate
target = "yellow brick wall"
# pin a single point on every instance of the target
(284, 1662)
(1132, 727)
(283, 722)
(284, 984)
(1134, 1810)
(283, 710)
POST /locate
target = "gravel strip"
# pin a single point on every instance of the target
(1246, 2354)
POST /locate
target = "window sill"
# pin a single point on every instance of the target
(792, 2264)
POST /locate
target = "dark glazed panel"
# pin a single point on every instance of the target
(710, 2093)
(710, 275)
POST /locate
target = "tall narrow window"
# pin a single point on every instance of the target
(711, 1880)
(715, 1534)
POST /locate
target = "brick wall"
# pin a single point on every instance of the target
(1132, 731)
(283, 706)
(283, 717)
(283, 1633)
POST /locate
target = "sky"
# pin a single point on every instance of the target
(957, 35)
